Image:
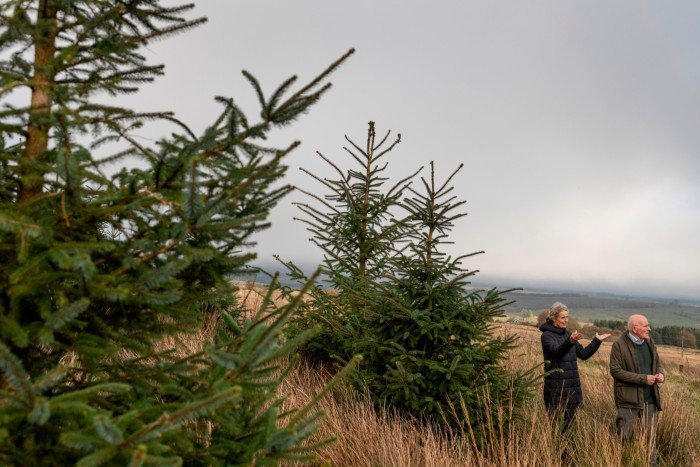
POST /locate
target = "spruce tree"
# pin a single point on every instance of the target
(356, 226)
(399, 300)
(429, 347)
(98, 271)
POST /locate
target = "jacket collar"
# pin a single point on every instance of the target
(547, 326)
(630, 339)
(635, 339)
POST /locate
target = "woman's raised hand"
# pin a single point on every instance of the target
(575, 336)
(602, 337)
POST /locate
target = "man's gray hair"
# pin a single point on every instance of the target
(634, 320)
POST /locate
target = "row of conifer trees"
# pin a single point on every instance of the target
(98, 270)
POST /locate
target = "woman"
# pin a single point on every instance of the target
(562, 386)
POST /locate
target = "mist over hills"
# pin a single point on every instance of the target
(584, 303)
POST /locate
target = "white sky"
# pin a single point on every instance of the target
(578, 122)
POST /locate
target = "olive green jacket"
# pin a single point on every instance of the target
(629, 380)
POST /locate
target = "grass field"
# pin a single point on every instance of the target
(370, 437)
(366, 436)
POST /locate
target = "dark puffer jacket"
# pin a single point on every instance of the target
(563, 386)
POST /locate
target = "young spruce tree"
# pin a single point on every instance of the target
(400, 301)
(96, 271)
(429, 348)
(356, 227)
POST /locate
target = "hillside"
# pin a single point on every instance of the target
(598, 307)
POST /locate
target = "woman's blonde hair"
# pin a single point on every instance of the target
(555, 310)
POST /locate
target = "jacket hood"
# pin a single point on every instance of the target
(547, 326)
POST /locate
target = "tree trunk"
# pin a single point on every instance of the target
(31, 180)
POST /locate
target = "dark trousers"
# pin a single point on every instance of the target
(563, 412)
(642, 421)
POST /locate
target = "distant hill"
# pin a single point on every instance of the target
(609, 307)
(586, 306)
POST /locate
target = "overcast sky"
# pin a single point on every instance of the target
(578, 122)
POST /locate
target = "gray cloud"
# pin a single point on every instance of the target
(577, 121)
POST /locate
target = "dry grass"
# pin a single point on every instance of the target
(366, 436)
(251, 297)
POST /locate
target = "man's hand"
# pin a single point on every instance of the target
(651, 379)
(602, 337)
(660, 378)
(575, 336)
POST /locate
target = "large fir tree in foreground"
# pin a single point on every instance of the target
(96, 271)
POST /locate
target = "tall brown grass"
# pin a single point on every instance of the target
(368, 436)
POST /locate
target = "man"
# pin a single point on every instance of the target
(635, 367)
